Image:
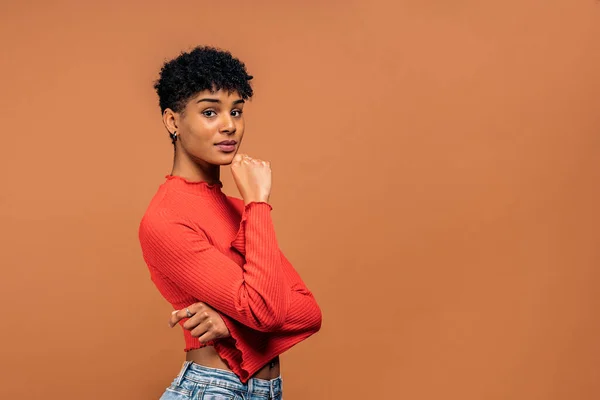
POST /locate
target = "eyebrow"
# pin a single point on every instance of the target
(210, 100)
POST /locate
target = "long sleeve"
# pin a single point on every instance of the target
(303, 313)
(201, 245)
(252, 295)
(247, 351)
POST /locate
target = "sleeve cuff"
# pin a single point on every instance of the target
(261, 207)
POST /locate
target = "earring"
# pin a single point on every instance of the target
(173, 137)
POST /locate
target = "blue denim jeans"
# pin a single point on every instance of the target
(202, 383)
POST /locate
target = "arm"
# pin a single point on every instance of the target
(252, 294)
(303, 313)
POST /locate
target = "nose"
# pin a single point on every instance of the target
(228, 126)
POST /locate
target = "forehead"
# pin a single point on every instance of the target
(224, 96)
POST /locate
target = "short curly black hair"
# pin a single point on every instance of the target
(203, 68)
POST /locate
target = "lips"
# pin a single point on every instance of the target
(227, 146)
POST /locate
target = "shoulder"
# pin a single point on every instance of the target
(159, 222)
(163, 213)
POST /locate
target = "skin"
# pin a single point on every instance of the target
(208, 118)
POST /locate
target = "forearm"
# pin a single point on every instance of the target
(255, 294)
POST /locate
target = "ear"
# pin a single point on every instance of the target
(171, 120)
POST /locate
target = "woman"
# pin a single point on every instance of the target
(215, 258)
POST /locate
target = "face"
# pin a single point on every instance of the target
(210, 128)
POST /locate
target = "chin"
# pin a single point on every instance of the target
(226, 158)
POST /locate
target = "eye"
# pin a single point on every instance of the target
(237, 113)
(209, 113)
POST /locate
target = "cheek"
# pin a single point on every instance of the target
(200, 129)
(240, 126)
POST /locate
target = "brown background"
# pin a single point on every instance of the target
(436, 184)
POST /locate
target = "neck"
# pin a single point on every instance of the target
(195, 171)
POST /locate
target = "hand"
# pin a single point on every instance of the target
(252, 177)
(206, 324)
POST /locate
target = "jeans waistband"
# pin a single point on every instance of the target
(226, 379)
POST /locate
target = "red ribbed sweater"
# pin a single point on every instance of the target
(201, 245)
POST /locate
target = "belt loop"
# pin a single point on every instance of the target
(184, 368)
(271, 390)
(250, 386)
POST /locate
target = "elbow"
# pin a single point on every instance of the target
(317, 319)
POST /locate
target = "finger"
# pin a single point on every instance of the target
(172, 318)
(194, 309)
(177, 316)
(208, 336)
(217, 330)
(195, 320)
(206, 326)
(238, 158)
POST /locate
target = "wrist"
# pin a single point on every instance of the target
(256, 200)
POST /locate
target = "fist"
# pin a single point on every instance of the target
(252, 177)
